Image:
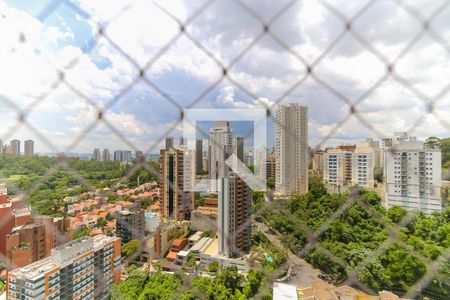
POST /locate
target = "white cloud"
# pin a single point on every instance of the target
(267, 70)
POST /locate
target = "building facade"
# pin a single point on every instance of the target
(106, 155)
(81, 269)
(362, 169)
(96, 154)
(291, 149)
(348, 165)
(34, 241)
(234, 217)
(318, 162)
(198, 156)
(412, 175)
(29, 148)
(267, 167)
(122, 156)
(130, 223)
(169, 143)
(14, 147)
(8, 207)
(220, 149)
(177, 174)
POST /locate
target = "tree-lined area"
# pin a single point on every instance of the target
(227, 284)
(444, 145)
(48, 182)
(356, 234)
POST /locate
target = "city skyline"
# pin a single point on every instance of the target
(243, 149)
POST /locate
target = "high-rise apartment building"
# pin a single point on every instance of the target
(234, 216)
(220, 148)
(14, 147)
(106, 155)
(96, 154)
(177, 171)
(291, 149)
(348, 165)
(29, 148)
(122, 155)
(412, 175)
(118, 155)
(130, 223)
(198, 156)
(81, 269)
(1, 146)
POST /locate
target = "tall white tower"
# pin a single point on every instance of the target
(291, 149)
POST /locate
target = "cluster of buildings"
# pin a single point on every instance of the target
(43, 260)
(204, 249)
(13, 148)
(411, 172)
(229, 212)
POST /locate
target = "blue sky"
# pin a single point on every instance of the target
(265, 75)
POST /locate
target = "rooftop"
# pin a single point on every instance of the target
(200, 244)
(213, 248)
(61, 256)
(282, 291)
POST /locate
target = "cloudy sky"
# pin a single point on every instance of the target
(102, 73)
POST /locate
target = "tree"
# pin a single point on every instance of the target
(271, 183)
(230, 278)
(131, 247)
(81, 232)
(378, 174)
(160, 286)
(190, 262)
(254, 279)
(432, 143)
(130, 288)
(213, 267)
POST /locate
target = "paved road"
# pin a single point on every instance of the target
(302, 274)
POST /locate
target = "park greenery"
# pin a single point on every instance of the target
(131, 247)
(356, 233)
(270, 256)
(46, 181)
(227, 284)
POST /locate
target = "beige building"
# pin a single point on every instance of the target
(348, 165)
(317, 163)
(177, 172)
(29, 148)
(291, 149)
(234, 217)
(14, 147)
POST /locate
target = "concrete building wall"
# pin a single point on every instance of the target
(413, 177)
(291, 149)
